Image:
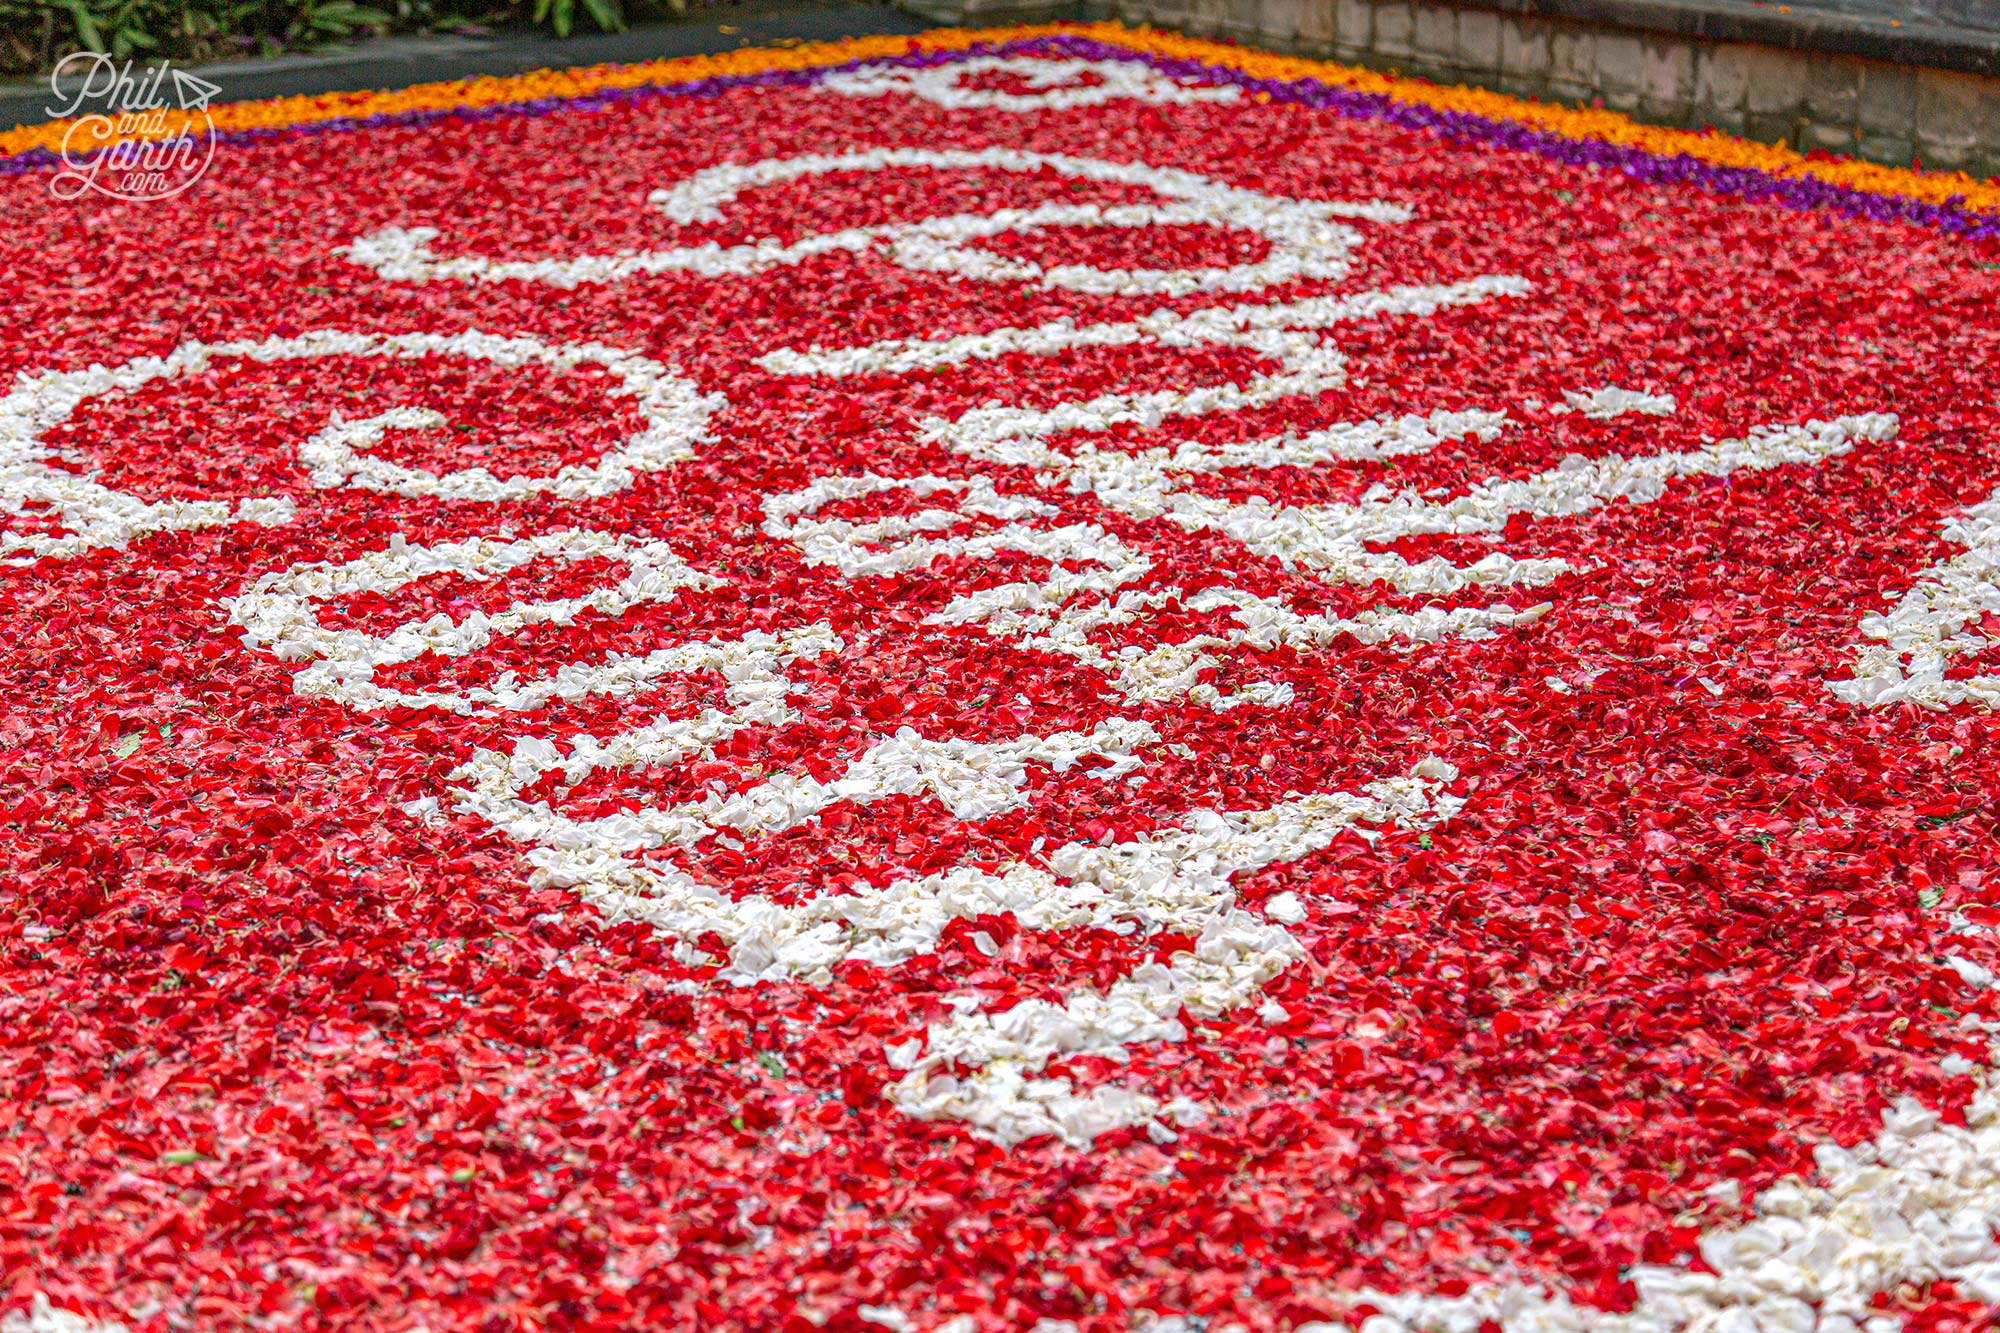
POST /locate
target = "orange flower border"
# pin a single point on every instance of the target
(1950, 190)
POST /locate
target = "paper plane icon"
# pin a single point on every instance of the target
(193, 93)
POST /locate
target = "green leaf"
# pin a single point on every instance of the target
(127, 746)
(180, 1157)
(606, 13)
(86, 26)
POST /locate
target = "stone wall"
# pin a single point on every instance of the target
(1880, 109)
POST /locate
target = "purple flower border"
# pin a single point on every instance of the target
(1802, 193)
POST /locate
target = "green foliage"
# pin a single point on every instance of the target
(561, 14)
(334, 18)
(35, 34)
(117, 26)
